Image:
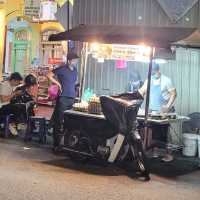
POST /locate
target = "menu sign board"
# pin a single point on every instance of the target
(130, 52)
(32, 8)
(120, 52)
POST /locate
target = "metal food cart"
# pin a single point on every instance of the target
(155, 37)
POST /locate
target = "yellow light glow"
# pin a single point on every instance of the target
(64, 47)
(94, 47)
(2, 18)
(61, 2)
(71, 1)
(145, 50)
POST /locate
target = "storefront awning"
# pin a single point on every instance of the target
(152, 36)
(192, 41)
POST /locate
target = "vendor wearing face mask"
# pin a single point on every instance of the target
(65, 77)
(162, 93)
(161, 100)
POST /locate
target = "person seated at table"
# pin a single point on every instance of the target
(7, 88)
(26, 94)
(162, 98)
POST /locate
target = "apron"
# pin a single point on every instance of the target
(156, 99)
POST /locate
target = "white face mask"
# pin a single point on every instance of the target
(156, 76)
(73, 63)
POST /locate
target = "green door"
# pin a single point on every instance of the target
(21, 56)
(21, 51)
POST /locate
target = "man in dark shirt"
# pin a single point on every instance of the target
(28, 94)
(65, 76)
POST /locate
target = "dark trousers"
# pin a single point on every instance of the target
(62, 104)
(160, 135)
(18, 111)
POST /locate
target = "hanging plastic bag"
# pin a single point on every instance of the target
(88, 93)
(53, 92)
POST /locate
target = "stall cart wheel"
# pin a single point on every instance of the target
(78, 146)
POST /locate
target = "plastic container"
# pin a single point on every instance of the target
(189, 144)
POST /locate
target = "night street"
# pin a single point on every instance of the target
(30, 172)
(100, 100)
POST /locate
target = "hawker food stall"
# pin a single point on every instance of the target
(114, 40)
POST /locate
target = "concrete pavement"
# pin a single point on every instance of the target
(28, 172)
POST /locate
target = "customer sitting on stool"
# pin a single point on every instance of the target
(27, 93)
(7, 88)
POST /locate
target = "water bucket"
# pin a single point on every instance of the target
(198, 145)
(189, 144)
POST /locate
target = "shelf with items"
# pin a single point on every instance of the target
(51, 53)
(44, 84)
(49, 49)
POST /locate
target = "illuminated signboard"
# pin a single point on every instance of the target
(120, 52)
(129, 52)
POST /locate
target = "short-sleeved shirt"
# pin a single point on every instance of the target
(67, 78)
(165, 84)
(6, 90)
